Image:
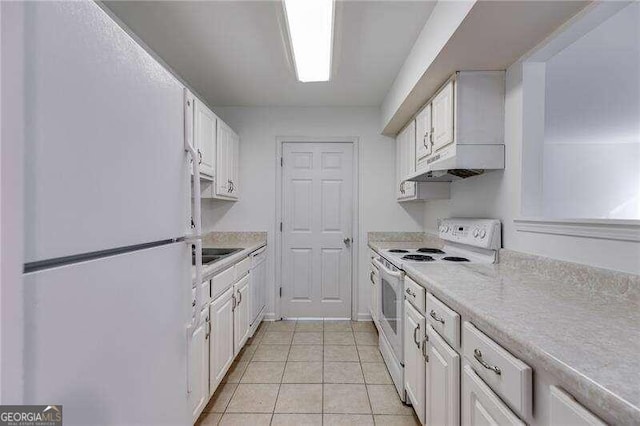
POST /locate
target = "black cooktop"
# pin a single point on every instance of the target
(430, 250)
(418, 257)
(455, 259)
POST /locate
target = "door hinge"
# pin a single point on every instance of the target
(281, 161)
(280, 291)
(280, 226)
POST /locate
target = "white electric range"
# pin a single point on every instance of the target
(466, 241)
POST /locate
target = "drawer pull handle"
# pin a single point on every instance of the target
(410, 293)
(424, 348)
(415, 336)
(435, 317)
(478, 356)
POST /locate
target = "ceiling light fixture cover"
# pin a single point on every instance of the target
(310, 26)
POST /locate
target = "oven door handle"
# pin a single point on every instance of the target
(386, 271)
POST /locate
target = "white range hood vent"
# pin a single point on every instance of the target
(466, 161)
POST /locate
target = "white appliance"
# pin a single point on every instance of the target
(466, 241)
(258, 278)
(108, 310)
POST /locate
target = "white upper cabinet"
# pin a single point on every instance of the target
(406, 164)
(227, 156)
(205, 139)
(423, 133)
(442, 119)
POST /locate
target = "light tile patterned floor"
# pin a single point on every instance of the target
(309, 373)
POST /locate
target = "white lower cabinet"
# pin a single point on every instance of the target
(443, 382)
(480, 406)
(221, 341)
(242, 313)
(414, 362)
(199, 361)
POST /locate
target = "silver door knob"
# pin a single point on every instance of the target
(347, 242)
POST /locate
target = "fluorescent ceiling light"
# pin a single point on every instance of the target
(310, 24)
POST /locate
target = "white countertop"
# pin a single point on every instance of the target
(588, 339)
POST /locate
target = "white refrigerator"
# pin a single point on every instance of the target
(108, 223)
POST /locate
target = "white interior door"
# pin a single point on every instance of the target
(316, 235)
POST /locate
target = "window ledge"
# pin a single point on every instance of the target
(608, 229)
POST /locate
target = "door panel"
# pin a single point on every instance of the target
(423, 134)
(221, 340)
(414, 363)
(241, 315)
(199, 363)
(205, 133)
(443, 110)
(317, 217)
(443, 395)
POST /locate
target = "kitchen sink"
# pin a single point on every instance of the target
(212, 255)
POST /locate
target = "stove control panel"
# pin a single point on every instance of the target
(483, 233)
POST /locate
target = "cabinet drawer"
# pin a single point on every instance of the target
(444, 320)
(414, 293)
(242, 268)
(567, 411)
(222, 281)
(505, 374)
(480, 406)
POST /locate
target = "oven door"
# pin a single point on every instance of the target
(391, 308)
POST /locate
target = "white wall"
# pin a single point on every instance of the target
(258, 128)
(445, 18)
(591, 157)
(497, 195)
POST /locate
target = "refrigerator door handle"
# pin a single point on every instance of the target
(196, 238)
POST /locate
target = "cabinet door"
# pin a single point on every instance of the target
(410, 159)
(480, 406)
(414, 363)
(399, 165)
(241, 313)
(221, 340)
(233, 165)
(205, 132)
(199, 367)
(223, 178)
(423, 134)
(442, 118)
(443, 387)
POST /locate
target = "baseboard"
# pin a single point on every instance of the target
(364, 317)
(269, 316)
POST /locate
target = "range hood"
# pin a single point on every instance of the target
(460, 162)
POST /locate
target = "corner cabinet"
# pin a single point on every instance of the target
(406, 165)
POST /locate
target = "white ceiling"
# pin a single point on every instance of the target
(233, 54)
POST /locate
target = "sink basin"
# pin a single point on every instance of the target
(212, 255)
(219, 251)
